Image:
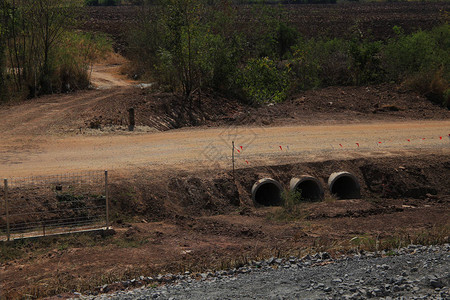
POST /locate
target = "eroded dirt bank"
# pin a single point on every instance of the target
(175, 221)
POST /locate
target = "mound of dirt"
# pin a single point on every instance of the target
(164, 111)
(208, 193)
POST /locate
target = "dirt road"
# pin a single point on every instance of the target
(208, 148)
(49, 135)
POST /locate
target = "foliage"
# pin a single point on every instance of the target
(34, 32)
(192, 45)
(422, 51)
(75, 53)
(293, 208)
(262, 82)
(291, 199)
(421, 60)
(364, 64)
(320, 62)
(188, 45)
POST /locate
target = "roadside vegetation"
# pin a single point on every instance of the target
(40, 52)
(190, 46)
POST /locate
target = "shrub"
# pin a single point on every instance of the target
(320, 63)
(422, 51)
(286, 38)
(365, 63)
(262, 82)
(72, 57)
(421, 61)
(432, 85)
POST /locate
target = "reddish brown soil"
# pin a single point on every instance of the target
(172, 221)
(373, 19)
(205, 220)
(164, 111)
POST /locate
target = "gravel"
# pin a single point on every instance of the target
(415, 272)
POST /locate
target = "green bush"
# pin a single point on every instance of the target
(421, 60)
(422, 51)
(320, 62)
(72, 57)
(365, 64)
(262, 82)
(190, 45)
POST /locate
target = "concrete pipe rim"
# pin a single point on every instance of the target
(319, 191)
(267, 182)
(354, 186)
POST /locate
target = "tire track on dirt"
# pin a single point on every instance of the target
(211, 148)
(46, 116)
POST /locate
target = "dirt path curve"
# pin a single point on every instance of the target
(211, 148)
(108, 76)
(40, 138)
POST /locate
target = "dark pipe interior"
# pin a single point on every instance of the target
(310, 190)
(268, 194)
(345, 187)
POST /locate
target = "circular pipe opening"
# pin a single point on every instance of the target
(267, 192)
(310, 188)
(344, 185)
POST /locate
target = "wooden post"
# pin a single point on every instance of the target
(107, 199)
(8, 232)
(232, 157)
(132, 121)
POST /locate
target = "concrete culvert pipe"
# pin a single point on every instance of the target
(267, 192)
(344, 185)
(310, 188)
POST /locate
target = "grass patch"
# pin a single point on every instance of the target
(293, 208)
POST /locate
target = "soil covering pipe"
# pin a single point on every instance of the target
(267, 192)
(310, 188)
(344, 185)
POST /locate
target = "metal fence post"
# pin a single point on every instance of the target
(107, 199)
(8, 233)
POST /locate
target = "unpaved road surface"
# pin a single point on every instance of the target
(108, 76)
(208, 148)
(419, 272)
(51, 135)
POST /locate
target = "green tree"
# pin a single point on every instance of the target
(3, 15)
(35, 28)
(188, 44)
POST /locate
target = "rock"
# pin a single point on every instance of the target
(306, 257)
(325, 255)
(436, 283)
(337, 280)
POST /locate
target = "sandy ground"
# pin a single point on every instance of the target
(49, 136)
(108, 76)
(204, 148)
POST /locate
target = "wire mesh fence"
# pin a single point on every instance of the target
(43, 205)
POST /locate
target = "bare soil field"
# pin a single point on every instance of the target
(331, 20)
